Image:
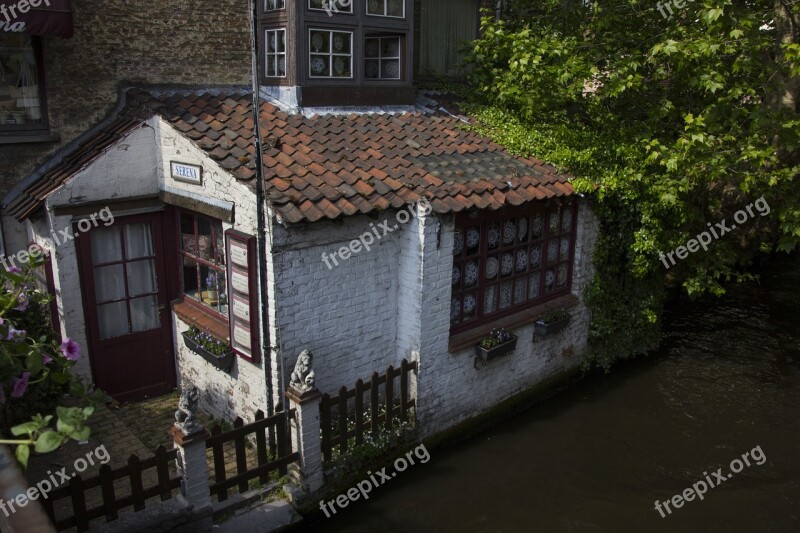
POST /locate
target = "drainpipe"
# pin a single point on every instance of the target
(261, 214)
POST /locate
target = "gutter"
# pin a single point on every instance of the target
(261, 238)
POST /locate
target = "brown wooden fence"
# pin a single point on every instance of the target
(77, 488)
(276, 458)
(336, 411)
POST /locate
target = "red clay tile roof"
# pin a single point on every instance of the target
(332, 166)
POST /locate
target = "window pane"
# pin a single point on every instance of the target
(490, 299)
(144, 313)
(394, 8)
(372, 69)
(320, 41)
(469, 306)
(505, 295)
(205, 244)
(372, 48)
(341, 67)
(391, 69)
(138, 240)
(519, 290)
(190, 277)
(109, 283)
(141, 277)
(537, 225)
(549, 280)
(375, 7)
(320, 66)
(106, 245)
(20, 103)
(561, 275)
(112, 319)
(188, 240)
(471, 273)
(533, 285)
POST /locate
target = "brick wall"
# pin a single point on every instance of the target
(198, 42)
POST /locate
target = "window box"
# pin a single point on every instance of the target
(551, 323)
(223, 362)
(499, 350)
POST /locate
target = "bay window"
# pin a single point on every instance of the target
(330, 54)
(202, 257)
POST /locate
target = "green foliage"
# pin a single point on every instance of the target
(209, 342)
(667, 125)
(554, 316)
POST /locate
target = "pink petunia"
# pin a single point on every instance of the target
(46, 359)
(20, 385)
(70, 349)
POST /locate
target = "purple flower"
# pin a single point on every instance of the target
(70, 349)
(23, 302)
(15, 269)
(20, 385)
(16, 335)
(46, 359)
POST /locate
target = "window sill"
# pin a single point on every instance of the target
(11, 138)
(528, 316)
(195, 316)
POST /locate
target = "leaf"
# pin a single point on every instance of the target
(48, 441)
(34, 363)
(23, 452)
(81, 434)
(64, 427)
(25, 429)
(59, 377)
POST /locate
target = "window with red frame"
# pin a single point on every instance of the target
(507, 261)
(202, 256)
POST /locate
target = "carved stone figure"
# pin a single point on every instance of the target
(302, 379)
(185, 418)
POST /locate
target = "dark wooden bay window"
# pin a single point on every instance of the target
(22, 96)
(507, 261)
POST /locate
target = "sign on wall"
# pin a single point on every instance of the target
(187, 173)
(243, 311)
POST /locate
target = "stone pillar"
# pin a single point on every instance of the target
(306, 438)
(192, 466)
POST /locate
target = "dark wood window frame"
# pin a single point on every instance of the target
(330, 54)
(276, 54)
(181, 253)
(480, 254)
(401, 59)
(39, 132)
(385, 10)
(268, 9)
(340, 8)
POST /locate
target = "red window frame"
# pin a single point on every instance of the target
(222, 269)
(521, 279)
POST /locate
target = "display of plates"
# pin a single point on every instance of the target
(473, 237)
(456, 275)
(469, 304)
(554, 222)
(458, 243)
(317, 42)
(522, 260)
(471, 273)
(564, 247)
(566, 221)
(536, 255)
(318, 65)
(507, 264)
(338, 43)
(533, 286)
(455, 309)
(522, 229)
(493, 234)
(505, 295)
(509, 232)
(552, 251)
(492, 266)
(537, 225)
(490, 299)
(519, 293)
(549, 278)
(561, 278)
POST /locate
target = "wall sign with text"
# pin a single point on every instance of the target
(243, 297)
(187, 173)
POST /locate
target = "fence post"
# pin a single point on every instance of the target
(190, 440)
(306, 437)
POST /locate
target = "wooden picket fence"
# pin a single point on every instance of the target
(273, 451)
(77, 488)
(348, 405)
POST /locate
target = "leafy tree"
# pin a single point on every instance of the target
(668, 124)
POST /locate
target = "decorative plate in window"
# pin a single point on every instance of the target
(317, 41)
(281, 66)
(522, 260)
(372, 69)
(536, 255)
(533, 286)
(554, 223)
(492, 266)
(455, 309)
(509, 231)
(552, 251)
(469, 304)
(490, 299)
(564, 247)
(519, 292)
(373, 48)
(338, 43)
(391, 48)
(456, 275)
(471, 273)
(549, 278)
(339, 64)
(318, 65)
(458, 243)
(538, 223)
(508, 264)
(522, 229)
(493, 235)
(505, 295)
(391, 69)
(473, 237)
(395, 8)
(562, 275)
(375, 7)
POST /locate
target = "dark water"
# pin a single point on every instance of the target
(596, 457)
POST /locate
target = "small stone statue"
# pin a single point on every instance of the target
(302, 379)
(185, 419)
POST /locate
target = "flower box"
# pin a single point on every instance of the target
(487, 354)
(223, 362)
(543, 328)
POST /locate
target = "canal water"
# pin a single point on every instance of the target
(597, 456)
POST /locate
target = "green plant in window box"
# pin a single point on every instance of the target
(216, 351)
(499, 342)
(551, 322)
